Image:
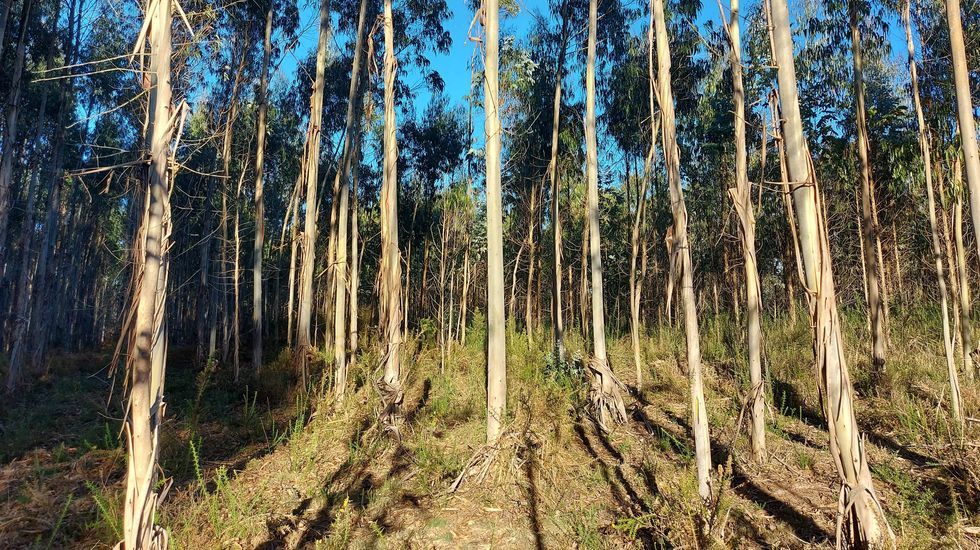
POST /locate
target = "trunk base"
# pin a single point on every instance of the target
(605, 395)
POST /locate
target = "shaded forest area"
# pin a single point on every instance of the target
(664, 274)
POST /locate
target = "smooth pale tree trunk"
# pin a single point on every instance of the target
(861, 520)
(966, 325)
(148, 336)
(293, 249)
(639, 242)
(964, 109)
(354, 284)
(11, 123)
(699, 413)
(869, 223)
(258, 244)
(390, 384)
(532, 228)
(607, 401)
(557, 320)
(741, 196)
(342, 181)
(4, 16)
(496, 324)
(303, 349)
(20, 318)
(583, 288)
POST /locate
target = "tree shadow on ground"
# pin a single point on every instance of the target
(610, 462)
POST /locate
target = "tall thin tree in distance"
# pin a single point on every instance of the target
(681, 246)
(869, 221)
(964, 104)
(862, 522)
(925, 149)
(496, 324)
(741, 196)
(558, 322)
(258, 245)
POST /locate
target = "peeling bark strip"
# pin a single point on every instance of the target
(861, 521)
(870, 234)
(390, 300)
(741, 196)
(148, 337)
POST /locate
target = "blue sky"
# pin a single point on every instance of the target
(455, 65)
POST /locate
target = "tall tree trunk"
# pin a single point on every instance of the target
(496, 327)
(964, 104)
(962, 272)
(24, 289)
(699, 414)
(639, 241)
(148, 337)
(869, 232)
(8, 159)
(356, 252)
(258, 244)
(533, 224)
(311, 179)
(862, 520)
(607, 402)
(391, 278)
(558, 323)
(342, 181)
(741, 196)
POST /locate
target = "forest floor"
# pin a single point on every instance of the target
(260, 466)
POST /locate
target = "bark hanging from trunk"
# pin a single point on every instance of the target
(699, 413)
(861, 520)
(311, 162)
(258, 244)
(391, 279)
(741, 196)
(874, 278)
(606, 396)
(148, 334)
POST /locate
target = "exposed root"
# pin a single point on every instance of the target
(392, 396)
(605, 395)
(479, 464)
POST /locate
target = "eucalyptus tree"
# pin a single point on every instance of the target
(310, 179)
(390, 287)
(869, 219)
(148, 336)
(925, 149)
(258, 242)
(862, 520)
(681, 243)
(742, 199)
(11, 126)
(342, 184)
(496, 324)
(964, 110)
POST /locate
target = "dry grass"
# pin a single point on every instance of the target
(327, 477)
